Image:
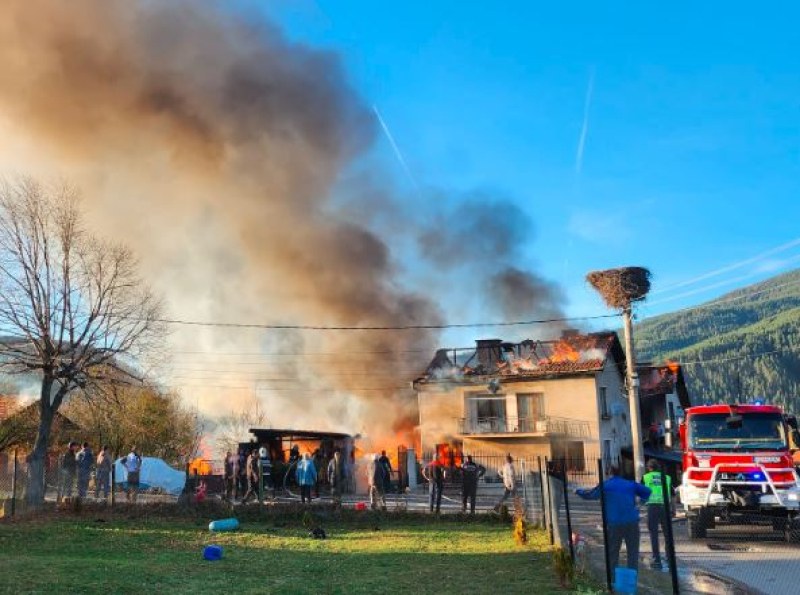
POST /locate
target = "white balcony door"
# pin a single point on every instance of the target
(530, 409)
(487, 413)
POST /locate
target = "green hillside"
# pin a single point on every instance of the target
(753, 334)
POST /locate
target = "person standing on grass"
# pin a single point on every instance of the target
(306, 475)
(508, 474)
(228, 475)
(251, 465)
(656, 515)
(84, 461)
(336, 477)
(241, 473)
(102, 479)
(471, 473)
(133, 467)
(386, 463)
(433, 473)
(622, 515)
(69, 468)
(319, 468)
(376, 480)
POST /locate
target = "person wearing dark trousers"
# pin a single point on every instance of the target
(252, 477)
(84, 461)
(306, 475)
(622, 515)
(656, 515)
(228, 474)
(69, 469)
(433, 473)
(471, 473)
(241, 474)
(386, 463)
(102, 480)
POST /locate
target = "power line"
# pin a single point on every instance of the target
(720, 303)
(738, 357)
(377, 328)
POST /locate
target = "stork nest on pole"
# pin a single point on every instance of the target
(621, 287)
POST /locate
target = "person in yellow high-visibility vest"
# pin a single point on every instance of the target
(656, 515)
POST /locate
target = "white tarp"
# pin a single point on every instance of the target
(155, 473)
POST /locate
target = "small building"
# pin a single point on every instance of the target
(563, 398)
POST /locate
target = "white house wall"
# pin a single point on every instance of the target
(617, 428)
(574, 398)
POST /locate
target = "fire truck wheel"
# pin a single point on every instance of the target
(697, 523)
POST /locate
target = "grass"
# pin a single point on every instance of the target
(362, 554)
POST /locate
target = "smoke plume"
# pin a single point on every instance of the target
(206, 140)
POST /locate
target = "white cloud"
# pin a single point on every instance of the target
(599, 227)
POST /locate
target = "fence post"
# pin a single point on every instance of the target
(566, 509)
(605, 524)
(669, 542)
(541, 489)
(14, 486)
(550, 503)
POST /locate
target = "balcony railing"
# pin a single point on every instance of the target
(524, 425)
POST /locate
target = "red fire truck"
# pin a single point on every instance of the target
(737, 465)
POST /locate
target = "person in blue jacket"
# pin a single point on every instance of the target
(622, 514)
(306, 477)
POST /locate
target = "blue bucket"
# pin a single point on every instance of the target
(625, 580)
(224, 525)
(212, 552)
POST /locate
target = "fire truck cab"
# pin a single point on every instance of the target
(737, 461)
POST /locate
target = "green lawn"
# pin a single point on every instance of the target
(361, 555)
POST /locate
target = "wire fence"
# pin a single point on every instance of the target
(748, 532)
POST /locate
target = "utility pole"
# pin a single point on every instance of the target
(633, 395)
(620, 288)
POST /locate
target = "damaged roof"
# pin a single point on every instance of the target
(663, 380)
(573, 354)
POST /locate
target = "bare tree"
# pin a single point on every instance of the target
(72, 306)
(233, 428)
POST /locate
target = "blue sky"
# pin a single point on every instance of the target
(691, 131)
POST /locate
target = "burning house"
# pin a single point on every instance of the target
(561, 398)
(662, 398)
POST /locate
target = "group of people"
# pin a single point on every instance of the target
(77, 465)
(243, 472)
(435, 472)
(622, 512)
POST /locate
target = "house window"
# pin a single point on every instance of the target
(530, 409)
(487, 414)
(604, 403)
(571, 452)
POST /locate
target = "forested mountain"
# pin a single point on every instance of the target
(752, 334)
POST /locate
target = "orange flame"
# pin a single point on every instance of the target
(564, 352)
(673, 366)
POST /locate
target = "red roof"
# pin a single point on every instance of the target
(571, 354)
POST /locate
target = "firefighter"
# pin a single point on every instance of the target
(471, 472)
(656, 515)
